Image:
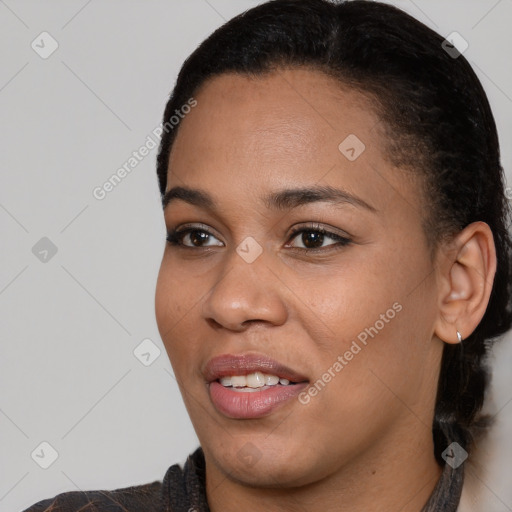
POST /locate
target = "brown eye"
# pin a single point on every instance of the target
(314, 238)
(192, 238)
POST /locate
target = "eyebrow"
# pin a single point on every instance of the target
(286, 199)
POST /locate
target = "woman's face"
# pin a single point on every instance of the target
(256, 292)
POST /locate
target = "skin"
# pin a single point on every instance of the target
(365, 439)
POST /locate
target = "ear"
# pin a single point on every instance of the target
(465, 280)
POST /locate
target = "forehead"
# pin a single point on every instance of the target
(296, 107)
(295, 126)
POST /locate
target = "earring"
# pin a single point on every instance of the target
(459, 336)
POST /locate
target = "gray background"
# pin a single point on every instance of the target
(69, 325)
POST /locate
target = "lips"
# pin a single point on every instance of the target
(226, 365)
(246, 403)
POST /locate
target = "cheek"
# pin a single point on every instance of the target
(383, 340)
(178, 289)
(166, 309)
(348, 298)
(372, 310)
(175, 299)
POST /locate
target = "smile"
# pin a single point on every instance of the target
(253, 381)
(250, 386)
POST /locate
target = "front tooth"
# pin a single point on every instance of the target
(284, 382)
(225, 381)
(271, 380)
(238, 381)
(255, 380)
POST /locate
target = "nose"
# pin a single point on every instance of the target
(245, 293)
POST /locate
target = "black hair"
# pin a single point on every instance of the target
(440, 125)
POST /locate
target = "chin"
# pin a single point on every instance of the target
(267, 472)
(266, 465)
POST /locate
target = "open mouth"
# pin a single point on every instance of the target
(255, 381)
(251, 385)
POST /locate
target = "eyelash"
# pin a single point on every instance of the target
(175, 238)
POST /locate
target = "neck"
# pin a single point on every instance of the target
(397, 475)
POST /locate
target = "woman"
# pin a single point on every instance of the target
(337, 265)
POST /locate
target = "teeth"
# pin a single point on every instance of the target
(252, 380)
(225, 381)
(238, 381)
(255, 380)
(271, 380)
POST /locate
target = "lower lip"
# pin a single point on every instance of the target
(251, 404)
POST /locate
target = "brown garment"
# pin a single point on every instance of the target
(183, 490)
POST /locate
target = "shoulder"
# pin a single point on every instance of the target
(140, 498)
(180, 486)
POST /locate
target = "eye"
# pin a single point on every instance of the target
(313, 238)
(192, 237)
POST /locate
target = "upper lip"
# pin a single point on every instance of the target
(243, 364)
